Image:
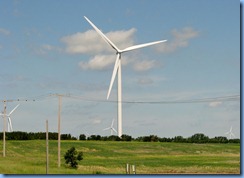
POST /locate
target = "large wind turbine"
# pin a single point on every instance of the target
(111, 128)
(230, 133)
(117, 69)
(10, 127)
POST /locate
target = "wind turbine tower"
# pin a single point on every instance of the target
(117, 69)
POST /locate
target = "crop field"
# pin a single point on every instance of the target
(108, 157)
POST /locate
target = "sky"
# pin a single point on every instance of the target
(47, 47)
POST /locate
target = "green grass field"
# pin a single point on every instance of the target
(29, 157)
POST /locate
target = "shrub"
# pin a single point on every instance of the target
(71, 157)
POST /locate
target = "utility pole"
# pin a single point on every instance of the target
(59, 136)
(4, 127)
(47, 160)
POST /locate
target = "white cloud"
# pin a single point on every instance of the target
(180, 40)
(144, 65)
(90, 42)
(4, 31)
(215, 104)
(44, 49)
(102, 62)
(106, 61)
(99, 62)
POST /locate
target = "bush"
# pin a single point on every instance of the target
(82, 137)
(71, 157)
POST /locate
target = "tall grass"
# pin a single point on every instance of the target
(100, 157)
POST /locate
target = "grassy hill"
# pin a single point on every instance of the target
(107, 157)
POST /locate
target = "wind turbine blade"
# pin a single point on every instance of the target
(114, 130)
(112, 123)
(116, 65)
(10, 124)
(142, 45)
(107, 128)
(102, 35)
(13, 109)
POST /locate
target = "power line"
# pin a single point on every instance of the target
(201, 100)
(22, 99)
(227, 98)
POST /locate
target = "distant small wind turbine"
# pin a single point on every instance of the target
(10, 127)
(230, 133)
(111, 128)
(117, 69)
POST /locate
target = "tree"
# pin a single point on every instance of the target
(198, 138)
(82, 137)
(179, 139)
(94, 137)
(126, 137)
(114, 138)
(71, 157)
(236, 140)
(153, 138)
(65, 137)
(219, 139)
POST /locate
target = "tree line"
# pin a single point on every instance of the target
(35, 136)
(196, 138)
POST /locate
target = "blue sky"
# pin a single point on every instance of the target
(48, 47)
